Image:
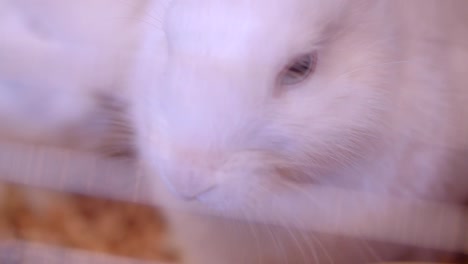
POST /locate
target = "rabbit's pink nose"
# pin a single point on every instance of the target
(189, 183)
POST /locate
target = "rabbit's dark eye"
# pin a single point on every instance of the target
(299, 70)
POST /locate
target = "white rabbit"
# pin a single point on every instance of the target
(61, 68)
(238, 104)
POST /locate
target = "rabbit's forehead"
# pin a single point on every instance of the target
(211, 23)
(186, 15)
(205, 12)
(214, 23)
(246, 28)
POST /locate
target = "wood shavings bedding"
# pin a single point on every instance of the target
(81, 222)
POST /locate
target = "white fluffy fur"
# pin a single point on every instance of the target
(55, 57)
(384, 112)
